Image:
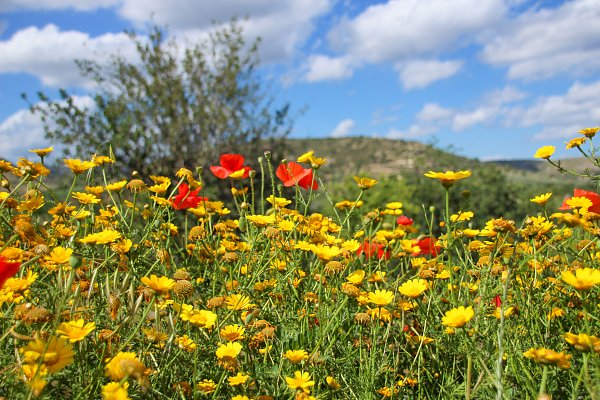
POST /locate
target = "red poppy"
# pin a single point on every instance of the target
(427, 247)
(593, 197)
(230, 163)
(497, 301)
(292, 173)
(373, 249)
(7, 270)
(186, 198)
(404, 220)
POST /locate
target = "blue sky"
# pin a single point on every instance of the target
(491, 79)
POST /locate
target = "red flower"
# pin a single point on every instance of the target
(292, 173)
(230, 163)
(593, 197)
(186, 198)
(373, 249)
(427, 247)
(7, 270)
(404, 220)
(497, 301)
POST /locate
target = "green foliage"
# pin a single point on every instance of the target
(174, 108)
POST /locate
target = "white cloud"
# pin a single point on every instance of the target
(79, 5)
(418, 74)
(20, 132)
(541, 43)
(561, 116)
(284, 25)
(430, 119)
(557, 117)
(49, 53)
(320, 68)
(401, 30)
(23, 131)
(343, 128)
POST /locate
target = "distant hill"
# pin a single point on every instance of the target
(379, 157)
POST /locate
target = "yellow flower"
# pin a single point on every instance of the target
(325, 252)
(35, 375)
(115, 391)
(556, 313)
(381, 297)
(232, 333)
(309, 158)
(458, 317)
(583, 342)
(541, 199)
(42, 152)
(159, 285)
(462, 216)
(101, 160)
(580, 204)
(228, 351)
(448, 178)
(413, 288)
(105, 237)
(300, 381)
(356, 278)
(332, 383)
(549, 357)
(77, 166)
(75, 331)
(239, 379)
(589, 132)
(124, 364)
(206, 386)
(576, 142)
(544, 152)
(296, 356)
(55, 354)
(116, 186)
(364, 183)
(59, 255)
(238, 302)
(583, 279)
(377, 277)
(261, 220)
(278, 202)
(202, 318)
(185, 343)
(86, 198)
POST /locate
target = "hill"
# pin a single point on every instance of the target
(379, 157)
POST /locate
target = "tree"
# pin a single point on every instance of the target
(171, 110)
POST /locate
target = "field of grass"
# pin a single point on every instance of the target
(145, 289)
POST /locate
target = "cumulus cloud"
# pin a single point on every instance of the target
(20, 132)
(541, 43)
(561, 116)
(320, 67)
(343, 128)
(79, 5)
(430, 119)
(23, 131)
(558, 116)
(49, 53)
(399, 30)
(283, 25)
(418, 74)
(409, 34)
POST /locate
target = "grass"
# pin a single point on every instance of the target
(144, 289)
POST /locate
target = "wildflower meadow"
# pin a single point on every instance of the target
(146, 288)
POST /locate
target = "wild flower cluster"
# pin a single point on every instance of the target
(144, 288)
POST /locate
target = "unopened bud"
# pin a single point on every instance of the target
(252, 174)
(267, 154)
